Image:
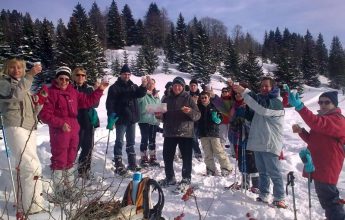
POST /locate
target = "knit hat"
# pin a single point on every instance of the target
(63, 70)
(179, 80)
(332, 95)
(168, 85)
(193, 81)
(125, 69)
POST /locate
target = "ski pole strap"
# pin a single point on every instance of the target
(290, 181)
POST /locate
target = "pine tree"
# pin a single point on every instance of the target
(309, 62)
(97, 21)
(61, 44)
(133, 66)
(129, 26)
(140, 32)
(321, 55)
(141, 63)
(116, 67)
(183, 56)
(231, 62)
(115, 35)
(166, 67)
(336, 64)
(170, 47)
(202, 59)
(154, 26)
(151, 59)
(125, 57)
(251, 71)
(5, 49)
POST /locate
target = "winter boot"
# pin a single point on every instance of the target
(120, 168)
(153, 159)
(183, 185)
(225, 172)
(132, 162)
(280, 204)
(210, 172)
(144, 161)
(167, 182)
(59, 195)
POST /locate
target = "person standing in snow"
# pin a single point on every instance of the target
(148, 125)
(122, 108)
(86, 132)
(266, 137)
(325, 140)
(209, 137)
(20, 125)
(239, 130)
(178, 126)
(60, 112)
(194, 93)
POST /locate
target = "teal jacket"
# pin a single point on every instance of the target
(266, 131)
(144, 116)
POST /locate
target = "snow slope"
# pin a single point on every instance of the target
(213, 200)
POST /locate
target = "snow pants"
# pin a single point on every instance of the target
(22, 144)
(213, 148)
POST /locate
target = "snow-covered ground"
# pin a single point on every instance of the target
(213, 200)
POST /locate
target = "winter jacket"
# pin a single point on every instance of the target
(16, 103)
(176, 122)
(206, 127)
(146, 117)
(83, 113)
(266, 131)
(325, 140)
(224, 106)
(122, 100)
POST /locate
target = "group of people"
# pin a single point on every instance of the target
(252, 123)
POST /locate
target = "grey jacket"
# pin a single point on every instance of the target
(175, 122)
(266, 131)
(16, 103)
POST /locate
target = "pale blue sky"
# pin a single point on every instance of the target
(255, 16)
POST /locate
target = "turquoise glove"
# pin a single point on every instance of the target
(308, 162)
(294, 99)
(215, 118)
(112, 119)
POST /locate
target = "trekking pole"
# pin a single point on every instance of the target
(8, 160)
(233, 186)
(243, 157)
(291, 181)
(309, 195)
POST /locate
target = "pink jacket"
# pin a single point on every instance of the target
(62, 106)
(325, 142)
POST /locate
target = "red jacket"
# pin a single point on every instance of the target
(325, 142)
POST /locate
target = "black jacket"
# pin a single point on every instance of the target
(83, 114)
(175, 122)
(206, 127)
(122, 100)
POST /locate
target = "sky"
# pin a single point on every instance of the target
(255, 16)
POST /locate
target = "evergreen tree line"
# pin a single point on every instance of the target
(199, 47)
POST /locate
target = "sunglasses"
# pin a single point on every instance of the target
(326, 102)
(62, 79)
(82, 75)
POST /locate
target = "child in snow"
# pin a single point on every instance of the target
(209, 135)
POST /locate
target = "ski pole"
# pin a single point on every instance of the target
(8, 160)
(106, 152)
(309, 195)
(291, 180)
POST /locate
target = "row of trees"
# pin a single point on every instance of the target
(199, 47)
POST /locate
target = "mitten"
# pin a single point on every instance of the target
(215, 117)
(307, 160)
(294, 99)
(112, 119)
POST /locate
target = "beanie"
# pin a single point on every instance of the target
(63, 70)
(332, 95)
(125, 69)
(168, 85)
(179, 80)
(193, 81)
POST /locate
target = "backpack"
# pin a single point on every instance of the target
(143, 199)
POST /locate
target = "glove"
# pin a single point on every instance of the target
(112, 119)
(215, 118)
(294, 99)
(308, 162)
